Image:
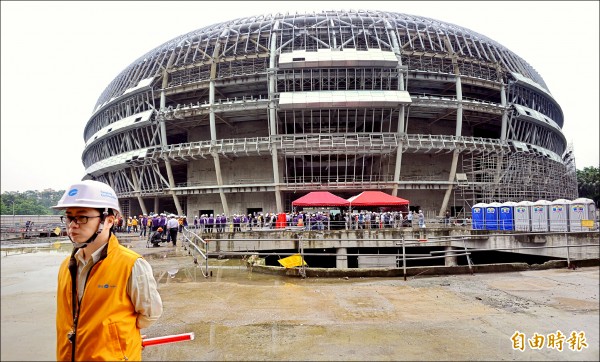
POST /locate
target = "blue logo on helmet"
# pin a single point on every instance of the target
(73, 192)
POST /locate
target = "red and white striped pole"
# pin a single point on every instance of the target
(168, 339)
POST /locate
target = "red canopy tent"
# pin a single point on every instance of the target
(376, 198)
(320, 198)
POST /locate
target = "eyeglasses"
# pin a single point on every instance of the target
(78, 219)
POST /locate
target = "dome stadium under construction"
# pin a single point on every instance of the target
(253, 113)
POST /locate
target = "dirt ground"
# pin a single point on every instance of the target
(241, 315)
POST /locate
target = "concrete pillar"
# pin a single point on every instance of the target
(273, 120)
(163, 135)
(398, 165)
(341, 260)
(213, 125)
(137, 192)
(458, 134)
(504, 114)
(156, 205)
(450, 260)
(220, 183)
(401, 125)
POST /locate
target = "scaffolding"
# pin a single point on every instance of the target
(337, 100)
(515, 176)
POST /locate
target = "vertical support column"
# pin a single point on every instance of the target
(163, 133)
(401, 125)
(450, 259)
(220, 183)
(503, 131)
(504, 114)
(398, 165)
(273, 119)
(568, 254)
(457, 132)
(156, 206)
(138, 191)
(341, 259)
(213, 125)
(403, 258)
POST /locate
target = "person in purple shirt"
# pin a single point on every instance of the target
(162, 222)
(236, 223)
(155, 222)
(211, 223)
(143, 225)
(218, 223)
(223, 222)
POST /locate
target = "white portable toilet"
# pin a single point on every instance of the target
(559, 215)
(582, 209)
(539, 215)
(523, 216)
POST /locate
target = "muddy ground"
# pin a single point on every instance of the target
(241, 315)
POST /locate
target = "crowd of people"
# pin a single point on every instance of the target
(308, 221)
(170, 224)
(146, 224)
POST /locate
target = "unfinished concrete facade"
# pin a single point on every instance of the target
(251, 114)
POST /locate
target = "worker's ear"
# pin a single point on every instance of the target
(109, 221)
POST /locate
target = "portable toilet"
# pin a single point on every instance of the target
(559, 215)
(582, 209)
(478, 216)
(506, 216)
(539, 215)
(522, 215)
(491, 216)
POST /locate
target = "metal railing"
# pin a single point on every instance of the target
(192, 239)
(194, 243)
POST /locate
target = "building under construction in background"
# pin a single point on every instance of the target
(251, 114)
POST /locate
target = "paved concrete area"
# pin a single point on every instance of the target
(241, 315)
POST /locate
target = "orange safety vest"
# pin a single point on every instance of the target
(107, 326)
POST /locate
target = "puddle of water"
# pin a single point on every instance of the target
(56, 246)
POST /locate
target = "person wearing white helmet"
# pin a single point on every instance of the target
(172, 227)
(121, 295)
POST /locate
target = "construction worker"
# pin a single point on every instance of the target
(121, 295)
(156, 237)
(172, 227)
(134, 224)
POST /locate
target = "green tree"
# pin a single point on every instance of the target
(29, 202)
(588, 183)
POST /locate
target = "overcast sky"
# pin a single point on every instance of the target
(58, 57)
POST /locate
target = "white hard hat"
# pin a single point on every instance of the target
(89, 193)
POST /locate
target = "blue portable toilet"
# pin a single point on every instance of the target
(506, 217)
(478, 216)
(491, 216)
(522, 216)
